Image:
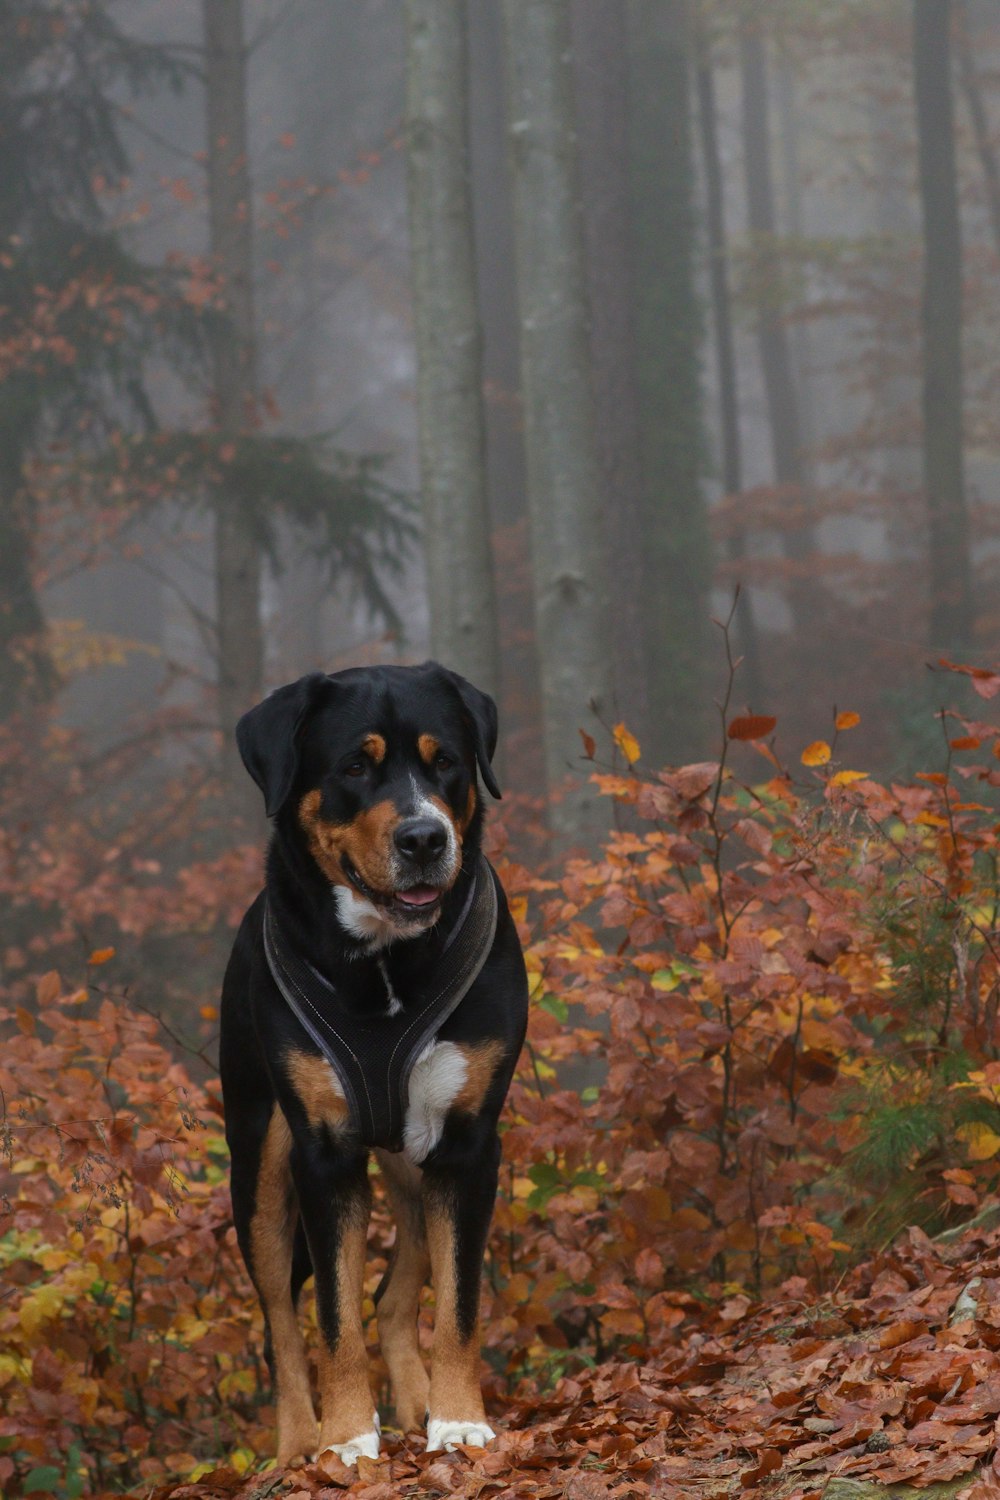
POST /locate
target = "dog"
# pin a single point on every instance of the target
(375, 1000)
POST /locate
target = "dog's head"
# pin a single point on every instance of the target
(375, 770)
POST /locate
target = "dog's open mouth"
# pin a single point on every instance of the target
(419, 901)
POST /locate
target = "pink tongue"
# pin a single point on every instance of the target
(418, 895)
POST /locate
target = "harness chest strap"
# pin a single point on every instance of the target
(373, 1058)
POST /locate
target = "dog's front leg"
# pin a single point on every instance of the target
(459, 1191)
(334, 1202)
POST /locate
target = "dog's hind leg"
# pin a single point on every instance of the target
(266, 1215)
(398, 1298)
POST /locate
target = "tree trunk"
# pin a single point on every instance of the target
(571, 611)
(725, 355)
(776, 365)
(234, 374)
(952, 612)
(600, 59)
(449, 346)
(675, 538)
(980, 126)
(521, 712)
(27, 674)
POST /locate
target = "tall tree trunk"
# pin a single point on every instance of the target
(449, 346)
(952, 611)
(980, 126)
(776, 365)
(571, 610)
(600, 59)
(505, 462)
(675, 535)
(234, 374)
(725, 355)
(27, 673)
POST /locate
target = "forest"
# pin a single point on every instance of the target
(636, 359)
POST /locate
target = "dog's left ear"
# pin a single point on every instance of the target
(482, 714)
(267, 736)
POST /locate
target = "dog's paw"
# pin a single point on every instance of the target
(449, 1435)
(365, 1445)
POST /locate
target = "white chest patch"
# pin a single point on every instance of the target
(437, 1079)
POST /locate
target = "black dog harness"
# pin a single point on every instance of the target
(373, 1058)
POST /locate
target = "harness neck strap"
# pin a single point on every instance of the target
(373, 1057)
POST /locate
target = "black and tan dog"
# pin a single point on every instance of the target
(375, 999)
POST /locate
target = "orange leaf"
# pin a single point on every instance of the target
(209, 1013)
(846, 720)
(844, 778)
(816, 754)
(589, 744)
(627, 743)
(101, 956)
(966, 742)
(751, 727)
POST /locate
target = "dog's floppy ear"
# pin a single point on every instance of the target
(482, 714)
(267, 737)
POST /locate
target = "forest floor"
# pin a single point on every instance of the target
(892, 1377)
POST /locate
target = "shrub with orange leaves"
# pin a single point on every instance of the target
(764, 1034)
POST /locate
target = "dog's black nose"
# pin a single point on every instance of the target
(421, 839)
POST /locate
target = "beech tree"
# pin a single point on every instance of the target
(675, 538)
(571, 605)
(449, 345)
(775, 356)
(725, 354)
(952, 610)
(234, 371)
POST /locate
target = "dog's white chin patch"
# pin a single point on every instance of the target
(365, 1445)
(449, 1435)
(369, 923)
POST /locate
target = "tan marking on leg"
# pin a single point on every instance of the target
(346, 1403)
(428, 747)
(399, 1304)
(318, 1088)
(272, 1234)
(455, 1393)
(481, 1063)
(374, 747)
(367, 842)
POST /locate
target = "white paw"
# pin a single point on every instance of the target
(448, 1435)
(365, 1445)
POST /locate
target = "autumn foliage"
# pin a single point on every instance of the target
(763, 1041)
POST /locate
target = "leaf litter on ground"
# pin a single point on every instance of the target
(876, 1380)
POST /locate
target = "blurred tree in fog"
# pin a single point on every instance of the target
(77, 311)
(676, 551)
(952, 611)
(452, 439)
(234, 367)
(567, 545)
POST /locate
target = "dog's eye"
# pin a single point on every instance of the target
(443, 762)
(355, 768)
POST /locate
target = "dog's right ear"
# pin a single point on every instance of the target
(268, 736)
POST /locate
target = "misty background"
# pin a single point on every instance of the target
(533, 335)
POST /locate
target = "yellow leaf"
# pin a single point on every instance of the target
(844, 778)
(241, 1459)
(847, 721)
(43, 1304)
(816, 754)
(627, 744)
(981, 1141)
